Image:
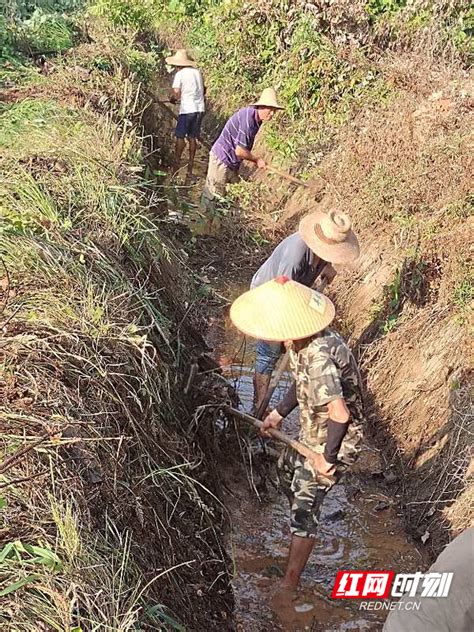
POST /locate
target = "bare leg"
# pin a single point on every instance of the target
(300, 550)
(192, 153)
(178, 150)
(260, 387)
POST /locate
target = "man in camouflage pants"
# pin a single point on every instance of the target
(327, 388)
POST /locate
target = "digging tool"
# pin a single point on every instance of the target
(276, 434)
(273, 384)
(287, 176)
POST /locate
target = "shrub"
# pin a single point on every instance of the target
(140, 14)
(46, 32)
(141, 64)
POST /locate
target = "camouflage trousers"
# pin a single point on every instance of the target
(305, 490)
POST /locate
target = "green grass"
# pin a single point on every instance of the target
(408, 286)
(139, 15)
(94, 537)
(463, 293)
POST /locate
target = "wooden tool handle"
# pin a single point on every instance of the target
(287, 176)
(284, 362)
(276, 434)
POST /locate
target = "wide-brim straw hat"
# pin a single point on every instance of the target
(330, 236)
(281, 310)
(180, 58)
(268, 98)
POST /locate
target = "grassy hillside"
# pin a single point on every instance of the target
(108, 513)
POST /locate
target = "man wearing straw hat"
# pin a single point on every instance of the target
(188, 89)
(235, 145)
(328, 390)
(323, 238)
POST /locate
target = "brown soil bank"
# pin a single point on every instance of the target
(403, 172)
(401, 164)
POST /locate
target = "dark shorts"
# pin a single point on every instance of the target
(189, 125)
(305, 491)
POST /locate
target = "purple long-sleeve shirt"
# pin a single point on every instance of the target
(240, 130)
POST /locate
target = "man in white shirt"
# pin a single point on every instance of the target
(188, 89)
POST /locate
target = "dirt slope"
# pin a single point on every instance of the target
(404, 173)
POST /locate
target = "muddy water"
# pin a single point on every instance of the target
(359, 529)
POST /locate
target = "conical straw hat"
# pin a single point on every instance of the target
(330, 236)
(281, 310)
(180, 58)
(268, 98)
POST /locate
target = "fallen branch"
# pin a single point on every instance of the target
(18, 481)
(193, 371)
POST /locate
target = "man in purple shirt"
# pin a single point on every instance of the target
(235, 144)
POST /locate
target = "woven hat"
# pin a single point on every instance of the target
(330, 236)
(281, 310)
(268, 98)
(180, 58)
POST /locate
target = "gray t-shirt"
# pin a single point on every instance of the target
(454, 613)
(291, 258)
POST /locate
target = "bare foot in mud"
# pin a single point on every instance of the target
(282, 597)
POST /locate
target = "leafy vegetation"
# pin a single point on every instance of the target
(318, 86)
(379, 7)
(463, 294)
(37, 27)
(409, 285)
(140, 14)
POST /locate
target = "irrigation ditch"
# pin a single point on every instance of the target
(126, 504)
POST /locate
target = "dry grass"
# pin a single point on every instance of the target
(110, 518)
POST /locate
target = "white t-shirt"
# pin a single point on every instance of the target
(189, 81)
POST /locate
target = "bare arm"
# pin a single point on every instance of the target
(245, 154)
(338, 411)
(284, 408)
(175, 95)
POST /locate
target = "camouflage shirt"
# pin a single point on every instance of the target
(326, 370)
